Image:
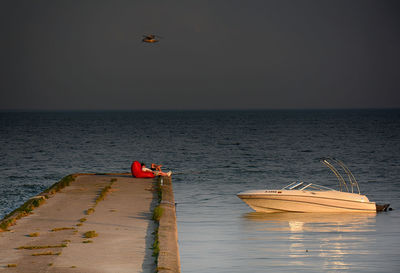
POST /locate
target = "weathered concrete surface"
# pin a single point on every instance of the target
(122, 221)
(168, 259)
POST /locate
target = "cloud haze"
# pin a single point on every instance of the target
(88, 55)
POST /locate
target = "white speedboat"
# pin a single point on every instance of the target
(309, 197)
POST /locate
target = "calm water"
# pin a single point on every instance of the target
(215, 155)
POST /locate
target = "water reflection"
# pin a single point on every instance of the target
(316, 240)
(299, 222)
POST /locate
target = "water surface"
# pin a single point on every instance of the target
(215, 155)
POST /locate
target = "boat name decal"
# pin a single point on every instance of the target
(273, 191)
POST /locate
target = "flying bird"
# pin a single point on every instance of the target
(151, 38)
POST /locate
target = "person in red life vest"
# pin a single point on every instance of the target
(136, 170)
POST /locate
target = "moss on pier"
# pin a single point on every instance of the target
(42, 247)
(66, 181)
(33, 203)
(46, 253)
(157, 214)
(90, 234)
(20, 212)
(102, 195)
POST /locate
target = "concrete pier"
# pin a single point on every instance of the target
(115, 209)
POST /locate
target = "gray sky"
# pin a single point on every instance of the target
(88, 55)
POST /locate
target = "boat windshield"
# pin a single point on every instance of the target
(299, 185)
(350, 186)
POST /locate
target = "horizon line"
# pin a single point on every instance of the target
(199, 110)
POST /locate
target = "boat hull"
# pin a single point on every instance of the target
(306, 201)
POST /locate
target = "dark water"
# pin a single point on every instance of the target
(213, 156)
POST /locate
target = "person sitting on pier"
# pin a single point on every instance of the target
(157, 170)
(136, 170)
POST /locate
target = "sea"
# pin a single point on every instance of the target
(216, 154)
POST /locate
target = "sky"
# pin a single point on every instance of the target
(284, 54)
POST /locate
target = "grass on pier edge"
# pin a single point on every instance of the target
(33, 203)
(157, 213)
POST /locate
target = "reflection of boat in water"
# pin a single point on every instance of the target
(321, 222)
(327, 242)
(309, 197)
